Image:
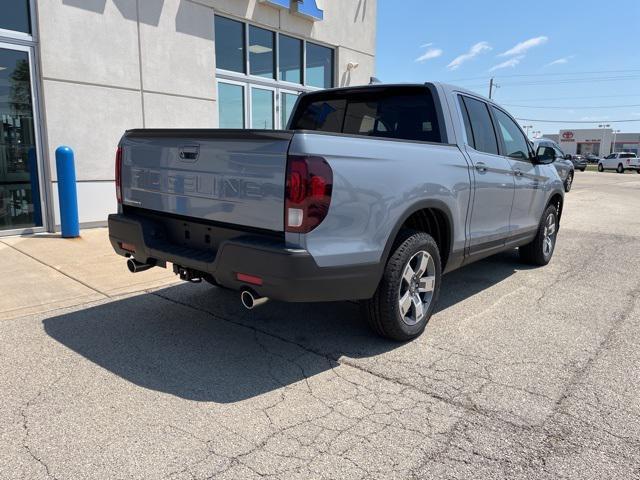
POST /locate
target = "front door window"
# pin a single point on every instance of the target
(19, 191)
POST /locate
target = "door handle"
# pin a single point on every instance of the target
(481, 167)
(189, 153)
(517, 172)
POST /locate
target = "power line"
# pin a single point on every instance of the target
(570, 108)
(574, 81)
(588, 97)
(546, 74)
(577, 121)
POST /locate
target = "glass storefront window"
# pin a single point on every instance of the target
(290, 59)
(261, 108)
(262, 72)
(230, 44)
(15, 16)
(19, 190)
(287, 101)
(231, 105)
(261, 52)
(319, 68)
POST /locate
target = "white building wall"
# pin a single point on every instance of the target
(112, 65)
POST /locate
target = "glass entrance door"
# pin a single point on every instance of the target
(20, 200)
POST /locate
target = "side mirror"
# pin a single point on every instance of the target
(567, 156)
(545, 155)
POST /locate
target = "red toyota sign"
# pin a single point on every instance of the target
(567, 135)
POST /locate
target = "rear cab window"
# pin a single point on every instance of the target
(404, 113)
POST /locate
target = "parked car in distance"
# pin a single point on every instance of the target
(593, 158)
(563, 162)
(371, 194)
(620, 161)
(579, 162)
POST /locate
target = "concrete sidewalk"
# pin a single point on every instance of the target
(46, 272)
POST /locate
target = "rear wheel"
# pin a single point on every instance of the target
(583, 169)
(600, 168)
(568, 182)
(408, 291)
(540, 250)
(620, 168)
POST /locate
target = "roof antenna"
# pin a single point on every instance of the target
(374, 80)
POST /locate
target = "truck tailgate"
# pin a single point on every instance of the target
(231, 176)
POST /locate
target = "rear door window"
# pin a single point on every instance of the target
(480, 125)
(406, 113)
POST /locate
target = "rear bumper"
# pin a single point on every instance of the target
(289, 275)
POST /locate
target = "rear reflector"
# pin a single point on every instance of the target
(308, 191)
(128, 247)
(250, 279)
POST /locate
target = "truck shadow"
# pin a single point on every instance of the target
(197, 342)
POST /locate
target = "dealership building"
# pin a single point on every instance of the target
(81, 72)
(597, 141)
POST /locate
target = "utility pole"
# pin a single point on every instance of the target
(492, 85)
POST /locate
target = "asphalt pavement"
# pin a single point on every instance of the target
(522, 372)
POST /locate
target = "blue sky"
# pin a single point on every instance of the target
(538, 56)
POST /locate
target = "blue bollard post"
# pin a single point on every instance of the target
(67, 193)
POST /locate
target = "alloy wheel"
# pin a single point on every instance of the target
(549, 237)
(416, 287)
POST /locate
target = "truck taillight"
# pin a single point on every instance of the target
(119, 174)
(307, 193)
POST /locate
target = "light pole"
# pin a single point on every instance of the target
(602, 126)
(536, 134)
(527, 127)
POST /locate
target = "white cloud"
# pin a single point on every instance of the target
(560, 61)
(429, 54)
(426, 45)
(477, 49)
(522, 47)
(512, 62)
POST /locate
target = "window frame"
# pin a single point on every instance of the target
(14, 35)
(245, 99)
(274, 104)
(277, 81)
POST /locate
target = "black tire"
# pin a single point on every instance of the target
(534, 252)
(383, 310)
(568, 182)
(620, 168)
(600, 168)
(582, 169)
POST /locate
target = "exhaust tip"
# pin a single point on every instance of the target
(135, 266)
(250, 300)
(131, 265)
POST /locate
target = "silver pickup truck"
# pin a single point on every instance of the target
(371, 194)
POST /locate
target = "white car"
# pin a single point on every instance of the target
(620, 161)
